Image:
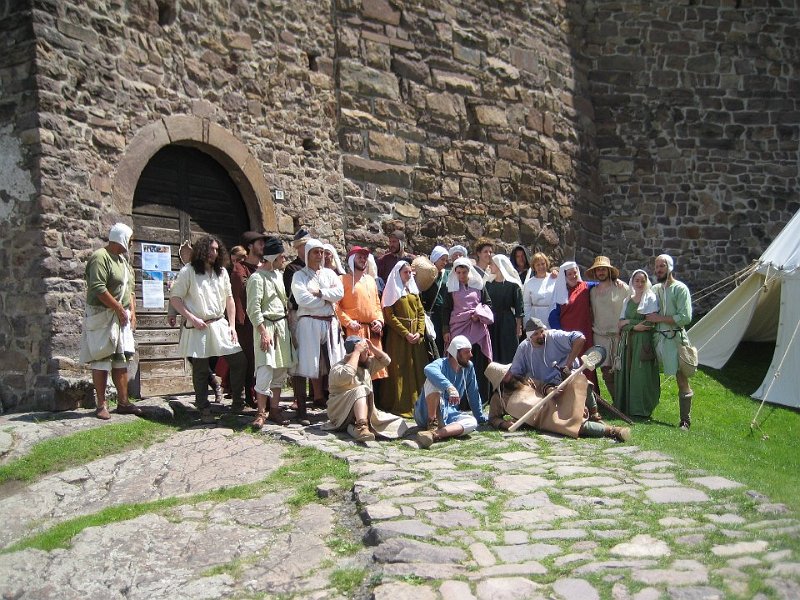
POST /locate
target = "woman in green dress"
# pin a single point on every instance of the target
(405, 342)
(637, 382)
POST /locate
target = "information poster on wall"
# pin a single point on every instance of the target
(156, 257)
(153, 289)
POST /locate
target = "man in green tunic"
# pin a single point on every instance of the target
(674, 314)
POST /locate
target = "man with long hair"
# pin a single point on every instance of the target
(202, 294)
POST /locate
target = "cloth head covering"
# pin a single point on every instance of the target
(495, 372)
(336, 262)
(456, 249)
(357, 250)
(534, 324)
(649, 302)
(121, 234)
(438, 252)
(560, 291)
(301, 237)
(475, 279)
(513, 261)
(602, 261)
(311, 243)
(395, 288)
(459, 342)
(668, 259)
(372, 266)
(272, 247)
(507, 269)
(350, 343)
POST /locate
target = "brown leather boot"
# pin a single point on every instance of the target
(621, 434)
(361, 432)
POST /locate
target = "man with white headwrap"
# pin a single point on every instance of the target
(433, 298)
(674, 314)
(359, 311)
(319, 340)
(448, 380)
(107, 339)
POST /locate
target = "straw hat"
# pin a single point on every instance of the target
(495, 373)
(425, 272)
(602, 261)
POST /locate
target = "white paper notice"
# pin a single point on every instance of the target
(156, 257)
(153, 289)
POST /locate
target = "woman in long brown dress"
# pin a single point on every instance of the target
(405, 341)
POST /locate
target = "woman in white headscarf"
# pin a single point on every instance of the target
(505, 289)
(637, 383)
(405, 341)
(332, 260)
(468, 311)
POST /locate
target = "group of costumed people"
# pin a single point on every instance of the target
(435, 338)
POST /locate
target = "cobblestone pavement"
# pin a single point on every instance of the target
(494, 516)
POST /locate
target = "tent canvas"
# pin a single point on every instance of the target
(765, 307)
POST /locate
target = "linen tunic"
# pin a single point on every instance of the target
(606, 307)
(537, 297)
(267, 303)
(406, 375)
(311, 333)
(673, 301)
(205, 296)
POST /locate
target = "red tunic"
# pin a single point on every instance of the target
(577, 316)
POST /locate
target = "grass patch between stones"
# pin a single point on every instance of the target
(304, 469)
(346, 581)
(61, 453)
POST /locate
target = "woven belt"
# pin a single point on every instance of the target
(206, 321)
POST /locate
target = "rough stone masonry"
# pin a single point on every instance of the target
(572, 127)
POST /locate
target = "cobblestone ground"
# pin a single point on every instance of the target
(490, 517)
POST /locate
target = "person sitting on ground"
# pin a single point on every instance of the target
(564, 414)
(548, 356)
(447, 380)
(351, 403)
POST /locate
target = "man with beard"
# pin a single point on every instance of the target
(447, 380)
(396, 251)
(674, 314)
(267, 309)
(352, 403)
(253, 243)
(299, 384)
(607, 299)
(202, 294)
(548, 356)
(319, 346)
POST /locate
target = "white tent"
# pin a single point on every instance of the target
(765, 307)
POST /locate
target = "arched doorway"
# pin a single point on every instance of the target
(182, 193)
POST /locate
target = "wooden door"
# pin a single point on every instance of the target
(182, 194)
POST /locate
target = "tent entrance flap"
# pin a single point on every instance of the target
(718, 333)
(782, 383)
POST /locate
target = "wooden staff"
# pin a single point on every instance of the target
(590, 360)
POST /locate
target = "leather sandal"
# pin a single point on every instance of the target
(276, 416)
(102, 413)
(129, 408)
(259, 421)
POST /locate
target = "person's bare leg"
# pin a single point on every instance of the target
(275, 411)
(261, 411)
(361, 415)
(100, 381)
(318, 392)
(685, 395)
(120, 378)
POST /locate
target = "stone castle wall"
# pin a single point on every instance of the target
(573, 127)
(698, 129)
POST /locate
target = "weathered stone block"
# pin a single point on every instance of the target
(374, 171)
(356, 78)
(380, 10)
(491, 116)
(386, 147)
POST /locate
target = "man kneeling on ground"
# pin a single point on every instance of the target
(446, 381)
(351, 402)
(565, 413)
